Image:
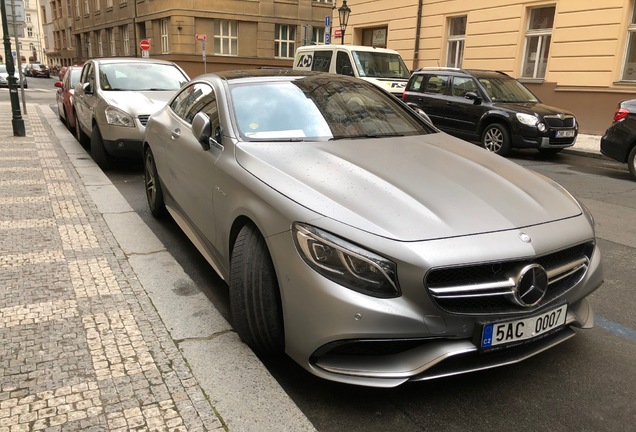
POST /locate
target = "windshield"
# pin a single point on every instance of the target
(507, 90)
(319, 109)
(372, 64)
(140, 77)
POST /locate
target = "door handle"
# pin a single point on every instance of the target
(175, 133)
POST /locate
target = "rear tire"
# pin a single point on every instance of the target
(154, 193)
(631, 162)
(101, 158)
(254, 294)
(496, 139)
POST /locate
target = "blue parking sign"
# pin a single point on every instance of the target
(327, 38)
(328, 21)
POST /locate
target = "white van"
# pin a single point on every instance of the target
(382, 67)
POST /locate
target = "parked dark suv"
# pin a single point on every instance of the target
(619, 140)
(491, 107)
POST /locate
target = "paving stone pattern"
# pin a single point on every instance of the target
(81, 345)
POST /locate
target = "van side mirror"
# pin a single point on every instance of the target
(88, 89)
(347, 70)
(474, 97)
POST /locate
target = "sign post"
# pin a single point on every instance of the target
(144, 44)
(202, 38)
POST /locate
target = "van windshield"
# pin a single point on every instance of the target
(372, 64)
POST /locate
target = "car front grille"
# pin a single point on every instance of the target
(143, 119)
(560, 121)
(487, 288)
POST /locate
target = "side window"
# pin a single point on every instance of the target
(436, 84)
(190, 101)
(84, 76)
(343, 64)
(322, 61)
(416, 84)
(461, 86)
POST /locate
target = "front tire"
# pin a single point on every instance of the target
(154, 193)
(101, 158)
(631, 162)
(496, 139)
(254, 294)
(81, 137)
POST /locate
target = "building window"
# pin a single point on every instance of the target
(109, 3)
(456, 37)
(123, 2)
(164, 36)
(98, 5)
(77, 8)
(68, 8)
(27, 17)
(538, 39)
(111, 38)
(29, 31)
(89, 46)
(629, 68)
(318, 35)
(375, 37)
(284, 41)
(87, 8)
(225, 37)
(100, 44)
(125, 40)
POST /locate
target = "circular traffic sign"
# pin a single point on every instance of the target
(144, 44)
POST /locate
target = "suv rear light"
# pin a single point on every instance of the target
(620, 114)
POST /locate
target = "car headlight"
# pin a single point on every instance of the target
(345, 263)
(117, 117)
(527, 119)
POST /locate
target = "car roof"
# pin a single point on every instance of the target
(272, 73)
(115, 60)
(477, 73)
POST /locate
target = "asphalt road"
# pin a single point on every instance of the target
(586, 384)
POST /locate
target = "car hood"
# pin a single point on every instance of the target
(408, 188)
(532, 108)
(138, 102)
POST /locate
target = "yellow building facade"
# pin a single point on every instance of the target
(575, 54)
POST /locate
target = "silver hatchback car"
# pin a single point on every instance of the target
(113, 100)
(354, 236)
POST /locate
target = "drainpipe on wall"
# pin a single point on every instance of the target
(418, 26)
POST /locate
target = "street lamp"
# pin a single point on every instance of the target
(343, 17)
(16, 120)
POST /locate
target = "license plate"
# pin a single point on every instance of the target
(564, 134)
(507, 332)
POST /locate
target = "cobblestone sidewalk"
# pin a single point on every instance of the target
(81, 345)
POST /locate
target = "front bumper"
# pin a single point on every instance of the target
(416, 340)
(530, 137)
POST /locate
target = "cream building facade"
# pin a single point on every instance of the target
(575, 54)
(237, 33)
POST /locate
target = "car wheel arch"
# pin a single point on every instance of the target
(490, 118)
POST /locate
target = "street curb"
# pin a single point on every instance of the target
(237, 384)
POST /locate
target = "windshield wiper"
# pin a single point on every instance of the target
(339, 137)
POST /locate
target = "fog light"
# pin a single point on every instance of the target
(541, 127)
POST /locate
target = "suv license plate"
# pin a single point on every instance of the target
(564, 134)
(507, 332)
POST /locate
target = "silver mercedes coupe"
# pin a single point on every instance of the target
(356, 238)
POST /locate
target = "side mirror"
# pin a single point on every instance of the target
(474, 97)
(202, 130)
(59, 84)
(88, 89)
(346, 70)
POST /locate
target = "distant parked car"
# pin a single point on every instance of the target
(619, 140)
(4, 82)
(114, 99)
(37, 70)
(64, 96)
(491, 107)
(366, 244)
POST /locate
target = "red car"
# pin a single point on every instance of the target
(64, 96)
